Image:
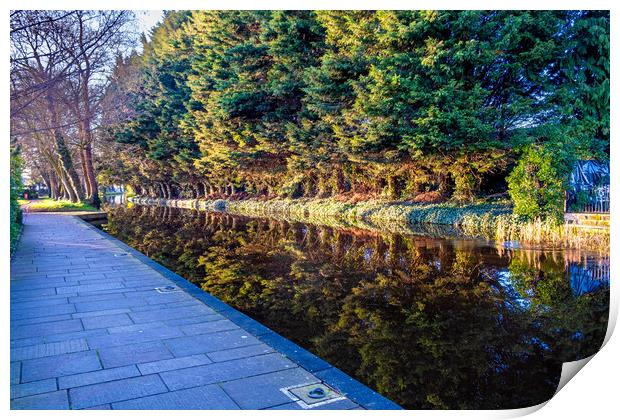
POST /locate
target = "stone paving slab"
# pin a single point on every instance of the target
(210, 397)
(98, 376)
(174, 364)
(48, 349)
(60, 365)
(134, 353)
(56, 327)
(121, 390)
(41, 320)
(57, 400)
(33, 388)
(239, 352)
(225, 371)
(89, 331)
(263, 391)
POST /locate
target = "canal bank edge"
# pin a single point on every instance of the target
(332, 376)
(483, 221)
(380, 211)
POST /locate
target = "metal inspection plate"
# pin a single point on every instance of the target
(312, 395)
(167, 289)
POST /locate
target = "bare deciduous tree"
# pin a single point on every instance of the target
(60, 62)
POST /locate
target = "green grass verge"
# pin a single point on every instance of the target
(50, 205)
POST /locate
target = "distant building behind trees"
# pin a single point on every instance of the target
(588, 189)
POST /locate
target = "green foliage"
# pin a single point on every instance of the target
(372, 104)
(583, 90)
(15, 220)
(535, 185)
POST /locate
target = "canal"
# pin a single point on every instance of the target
(428, 322)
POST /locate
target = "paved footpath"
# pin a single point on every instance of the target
(95, 324)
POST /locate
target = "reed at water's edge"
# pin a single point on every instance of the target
(544, 233)
(489, 221)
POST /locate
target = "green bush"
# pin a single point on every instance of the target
(16, 187)
(536, 187)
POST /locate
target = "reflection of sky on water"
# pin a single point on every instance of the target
(578, 336)
(505, 279)
(588, 277)
(540, 343)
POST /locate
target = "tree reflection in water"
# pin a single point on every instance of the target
(430, 323)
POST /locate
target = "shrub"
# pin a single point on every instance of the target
(16, 187)
(536, 187)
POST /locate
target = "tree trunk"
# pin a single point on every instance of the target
(73, 180)
(46, 181)
(340, 181)
(85, 128)
(393, 190)
(64, 155)
(64, 195)
(69, 192)
(86, 183)
(89, 173)
(54, 193)
(55, 178)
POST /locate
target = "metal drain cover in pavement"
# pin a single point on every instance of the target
(313, 394)
(167, 289)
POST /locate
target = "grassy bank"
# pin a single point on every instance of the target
(50, 205)
(483, 220)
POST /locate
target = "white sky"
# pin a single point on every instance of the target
(147, 19)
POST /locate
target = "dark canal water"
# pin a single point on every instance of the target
(428, 322)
